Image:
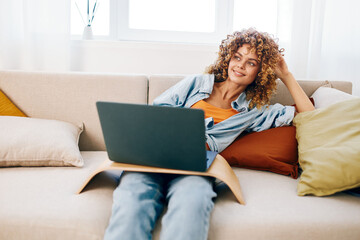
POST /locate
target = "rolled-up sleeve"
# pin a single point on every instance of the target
(275, 115)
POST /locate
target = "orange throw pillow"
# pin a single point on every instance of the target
(273, 150)
(7, 108)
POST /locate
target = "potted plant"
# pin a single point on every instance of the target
(90, 15)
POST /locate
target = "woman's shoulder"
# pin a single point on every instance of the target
(196, 82)
(202, 81)
(199, 78)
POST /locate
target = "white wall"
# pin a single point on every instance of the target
(141, 58)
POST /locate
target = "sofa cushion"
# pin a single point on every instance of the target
(272, 150)
(8, 108)
(41, 203)
(274, 211)
(329, 152)
(282, 94)
(325, 96)
(38, 142)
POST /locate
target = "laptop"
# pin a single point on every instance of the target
(157, 136)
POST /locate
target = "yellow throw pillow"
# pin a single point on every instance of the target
(329, 148)
(7, 108)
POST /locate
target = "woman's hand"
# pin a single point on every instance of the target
(282, 70)
(300, 98)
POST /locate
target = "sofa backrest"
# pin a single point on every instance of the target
(159, 83)
(71, 97)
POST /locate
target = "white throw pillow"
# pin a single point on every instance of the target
(326, 96)
(39, 142)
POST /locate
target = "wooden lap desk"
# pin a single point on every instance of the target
(219, 169)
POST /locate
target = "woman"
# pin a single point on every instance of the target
(234, 96)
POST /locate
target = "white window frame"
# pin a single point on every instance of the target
(119, 26)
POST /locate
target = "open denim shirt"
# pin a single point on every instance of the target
(218, 136)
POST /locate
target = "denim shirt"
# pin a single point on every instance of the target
(218, 136)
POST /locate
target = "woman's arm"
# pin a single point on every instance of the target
(301, 100)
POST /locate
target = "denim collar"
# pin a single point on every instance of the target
(240, 104)
(208, 84)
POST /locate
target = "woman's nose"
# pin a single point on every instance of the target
(242, 64)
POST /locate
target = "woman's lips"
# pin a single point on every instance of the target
(239, 74)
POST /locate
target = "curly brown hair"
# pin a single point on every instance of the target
(268, 52)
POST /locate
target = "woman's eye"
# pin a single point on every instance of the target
(252, 64)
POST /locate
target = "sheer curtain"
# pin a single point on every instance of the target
(35, 35)
(322, 39)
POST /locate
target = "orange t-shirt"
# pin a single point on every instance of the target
(218, 114)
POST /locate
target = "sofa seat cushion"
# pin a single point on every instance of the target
(274, 211)
(41, 203)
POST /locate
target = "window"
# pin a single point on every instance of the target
(261, 14)
(186, 21)
(165, 15)
(171, 20)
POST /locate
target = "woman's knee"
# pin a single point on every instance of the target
(138, 194)
(193, 190)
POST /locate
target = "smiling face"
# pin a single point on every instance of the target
(243, 66)
(258, 84)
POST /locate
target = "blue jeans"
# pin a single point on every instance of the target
(140, 199)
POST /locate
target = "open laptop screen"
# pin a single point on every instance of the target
(166, 137)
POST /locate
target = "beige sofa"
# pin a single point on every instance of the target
(41, 202)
